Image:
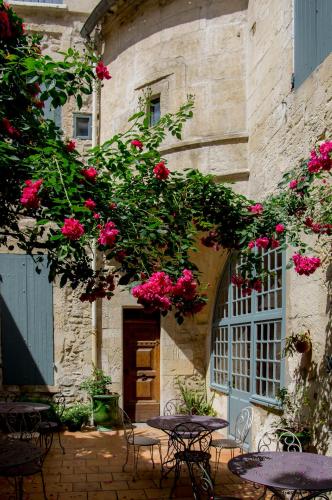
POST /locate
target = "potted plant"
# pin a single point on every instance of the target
(75, 416)
(104, 402)
(296, 413)
(298, 342)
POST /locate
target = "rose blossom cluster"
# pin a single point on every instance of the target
(72, 229)
(246, 285)
(108, 234)
(264, 242)
(102, 71)
(321, 160)
(305, 265)
(318, 228)
(160, 293)
(9, 128)
(99, 290)
(9, 28)
(90, 174)
(29, 196)
(160, 171)
(256, 209)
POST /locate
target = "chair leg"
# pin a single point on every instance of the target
(151, 451)
(136, 454)
(20, 487)
(218, 454)
(61, 445)
(160, 456)
(127, 456)
(43, 481)
(176, 478)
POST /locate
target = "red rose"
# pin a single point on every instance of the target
(72, 229)
(102, 71)
(70, 146)
(10, 129)
(90, 174)
(160, 171)
(90, 204)
(137, 144)
(5, 26)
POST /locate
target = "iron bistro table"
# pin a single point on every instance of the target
(167, 423)
(291, 471)
(21, 407)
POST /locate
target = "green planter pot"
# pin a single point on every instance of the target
(106, 409)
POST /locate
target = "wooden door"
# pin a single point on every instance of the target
(141, 364)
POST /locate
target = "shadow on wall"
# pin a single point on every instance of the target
(316, 376)
(18, 364)
(164, 15)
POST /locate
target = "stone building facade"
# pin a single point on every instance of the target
(251, 123)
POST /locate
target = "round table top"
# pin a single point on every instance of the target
(14, 452)
(285, 470)
(22, 407)
(169, 422)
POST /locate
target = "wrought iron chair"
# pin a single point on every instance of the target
(190, 444)
(52, 423)
(175, 407)
(279, 440)
(242, 427)
(23, 426)
(136, 442)
(16, 474)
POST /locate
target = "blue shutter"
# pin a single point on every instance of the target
(51, 113)
(305, 29)
(43, 1)
(26, 309)
(324, 29)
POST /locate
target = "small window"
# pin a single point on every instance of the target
(82, 126)
(154, 111)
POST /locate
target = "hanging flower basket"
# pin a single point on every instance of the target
(298, 342)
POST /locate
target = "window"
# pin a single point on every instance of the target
(247, 333)
(26, 321)
(82, 126)
(51, 113)
(154, 111)
(312, 36)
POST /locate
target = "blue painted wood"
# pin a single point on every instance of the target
(43, 1)
(312, 36)
(26, 308)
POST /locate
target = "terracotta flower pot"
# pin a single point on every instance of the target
(302, 346)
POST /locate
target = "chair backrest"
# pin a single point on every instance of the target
(279, 440)
(189, 436)
(59, 402)
(24, 426)
(175, 407)
(127, 426)
(243, 424)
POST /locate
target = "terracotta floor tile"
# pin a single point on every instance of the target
(91, 486)
(114, 485)
(58, 487)
(74, 478)
(102, 495)
(132, 495)
(73, 496)
(157, 492)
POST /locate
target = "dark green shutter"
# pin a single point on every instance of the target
(26, 308)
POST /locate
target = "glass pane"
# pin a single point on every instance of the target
(154, 111)
(82, 126)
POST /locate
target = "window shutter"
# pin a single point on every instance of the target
(324, 29)
(305, 28)
(26, 309)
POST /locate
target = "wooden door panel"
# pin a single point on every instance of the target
(141, 344)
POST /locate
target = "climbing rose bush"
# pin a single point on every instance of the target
(125, 201)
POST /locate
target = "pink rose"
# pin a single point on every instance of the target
(102, 71)
(90, 204)
(137, 144)
(305, 265)
(90, 174)
(160, 171)
(280, 228)
(256, 209)
(108, 234)
(72, 229)
(29, 196)
(293, 184)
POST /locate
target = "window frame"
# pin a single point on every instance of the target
(253, 318)
(80, 137)
(156, 97)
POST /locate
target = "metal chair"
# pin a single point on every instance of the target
(17, 473)
(279, 440)
(23, 426)
(137, 441)
(190, 443)
(242, 427)
(52, 423)
(175, 407)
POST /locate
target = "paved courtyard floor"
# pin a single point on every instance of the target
(91, 469)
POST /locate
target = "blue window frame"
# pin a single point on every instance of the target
(82, 126)
(247, 334)
(312, 36)
(41, 1)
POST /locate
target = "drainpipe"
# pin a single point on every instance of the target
(95, 142)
